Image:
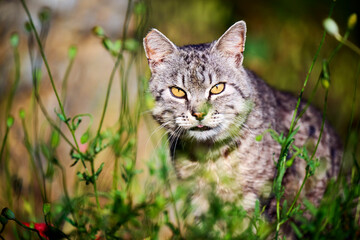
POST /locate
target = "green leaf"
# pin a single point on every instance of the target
(117, 46)
(70, 221)
(296, 230)
(22, 113)
(258, 138)
(28, 27)
(257, 209)
(55, 139)
(140, 8)
(99, 169)
(72, 52)
(98, 31)
(45, 151)
(62, 117)
(131, 45)
(309, 206)
(44, 14)
(85, 137)
(14, 39)
(10, 121)
(46, 208)
(76, 125)
(107, 43)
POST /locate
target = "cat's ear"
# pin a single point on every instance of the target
(157, 47)
(232, 42)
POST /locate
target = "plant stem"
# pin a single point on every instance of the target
(117, 63)
(322, 124)
(298, 193)
(28, 147)
(351, 117)
(29, 228)
(94, 183)
(3, 143)
(48, 70)
(65, 81)
(292, 125)
(16, 81)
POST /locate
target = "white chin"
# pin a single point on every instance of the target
(203, 135)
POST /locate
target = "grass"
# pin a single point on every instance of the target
(162, 209)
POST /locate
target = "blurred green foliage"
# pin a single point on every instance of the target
(281, 42)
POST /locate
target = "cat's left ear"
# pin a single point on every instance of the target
(232, 43)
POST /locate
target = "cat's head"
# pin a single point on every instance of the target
(201, 91)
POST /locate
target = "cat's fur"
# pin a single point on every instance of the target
(219, 149)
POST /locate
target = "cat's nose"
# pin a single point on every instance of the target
(199, 115)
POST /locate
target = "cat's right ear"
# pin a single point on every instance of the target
(157, 47)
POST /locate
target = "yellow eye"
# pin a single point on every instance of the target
(177, 92)
(218, 88)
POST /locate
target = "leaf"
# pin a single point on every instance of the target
(99, 169)
(22, 113)
(98, 31)
(292, 134)
(45, 151)
(14, 39)
(131, 45)
(46, 208)
(76, 125)
(28, 27)
(72, 52)
(55, 139)
(70, 221)
(309, 206)
(9, 121)
(62, 117)
(257, 209)
(85, 137)
(44, 14)
(140, 8)
(117, 46)
(258, 138)
(107, 43)
(296, 230)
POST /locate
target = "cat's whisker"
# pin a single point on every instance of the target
(145, 112)
(162, 126)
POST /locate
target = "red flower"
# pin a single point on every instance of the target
(42, 228)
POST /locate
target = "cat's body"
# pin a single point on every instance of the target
(213, 109)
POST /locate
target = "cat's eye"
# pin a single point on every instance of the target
(177, 92)
(218, 88)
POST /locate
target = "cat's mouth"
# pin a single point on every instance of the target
(200, 128)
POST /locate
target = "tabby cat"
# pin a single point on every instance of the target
(213, 109)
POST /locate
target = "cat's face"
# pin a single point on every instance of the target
(201, 91)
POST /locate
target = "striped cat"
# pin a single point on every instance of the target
(213, 108)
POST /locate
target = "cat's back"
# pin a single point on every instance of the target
(328, 150)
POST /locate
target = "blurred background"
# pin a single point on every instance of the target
(282, 39)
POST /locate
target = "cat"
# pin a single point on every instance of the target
(213, 109)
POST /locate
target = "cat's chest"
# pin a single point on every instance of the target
(236, 171)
